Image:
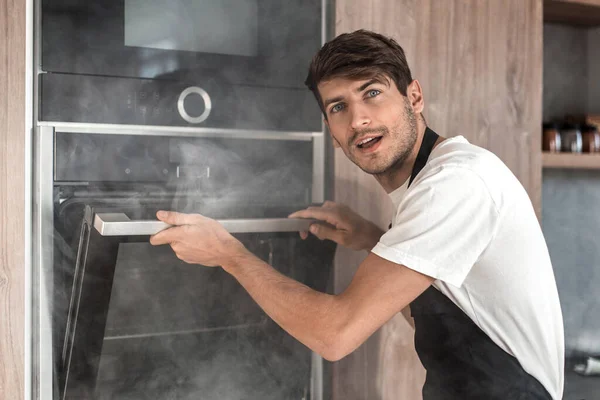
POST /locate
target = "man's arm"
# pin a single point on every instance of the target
(331, 325)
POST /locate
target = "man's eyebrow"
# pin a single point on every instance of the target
(360, 89)
(332, 100)
(367, 84)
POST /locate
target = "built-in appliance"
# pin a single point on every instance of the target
(187, 105)
(180, 62)
(119, 318)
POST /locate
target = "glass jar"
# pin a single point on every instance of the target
(590, 139)
(551, 138)
(570, 136)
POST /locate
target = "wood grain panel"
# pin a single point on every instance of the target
(386, 366)
(12, 201)
(480, 65)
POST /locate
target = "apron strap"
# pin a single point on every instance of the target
(429, 139)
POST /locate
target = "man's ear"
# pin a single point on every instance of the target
(336, 144)
(415, 96)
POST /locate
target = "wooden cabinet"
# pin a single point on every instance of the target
(12, 198)
(480, 66)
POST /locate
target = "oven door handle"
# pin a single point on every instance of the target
(119, 224)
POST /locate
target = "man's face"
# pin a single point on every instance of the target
(371, 121)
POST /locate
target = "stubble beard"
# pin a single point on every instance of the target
(403, 143)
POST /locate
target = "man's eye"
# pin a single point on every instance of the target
(337, 108)
(373, 93)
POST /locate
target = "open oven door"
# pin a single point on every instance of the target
(142, 324)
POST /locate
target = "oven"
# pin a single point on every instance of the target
(195, 106)
(117, 318)
(180, 62)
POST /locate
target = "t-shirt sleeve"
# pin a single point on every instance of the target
(442, 225)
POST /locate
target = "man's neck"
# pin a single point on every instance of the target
(392, 180)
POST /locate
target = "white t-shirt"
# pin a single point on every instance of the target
(468, 222)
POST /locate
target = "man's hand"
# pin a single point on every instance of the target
(197, 240)
(342, 225)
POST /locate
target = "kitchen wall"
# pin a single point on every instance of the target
(571, 198)
(571, 224)
(593, 43)
(565, 70)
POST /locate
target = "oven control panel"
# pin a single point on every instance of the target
(210, 103)
(277, 171)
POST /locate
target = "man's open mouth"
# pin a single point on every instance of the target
(368, 142)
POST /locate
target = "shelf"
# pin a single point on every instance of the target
(573, 161)
(573, 12)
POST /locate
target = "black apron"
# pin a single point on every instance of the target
(462, 362)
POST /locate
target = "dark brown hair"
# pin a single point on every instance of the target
(360, 54)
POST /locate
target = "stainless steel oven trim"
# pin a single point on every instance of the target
(318, 185)
(119, 224)
(318, 196)
(43, 231)
(173, 131)
(316, 379)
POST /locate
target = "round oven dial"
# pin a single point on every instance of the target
(181, 107)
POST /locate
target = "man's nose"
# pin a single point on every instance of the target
(360, 117)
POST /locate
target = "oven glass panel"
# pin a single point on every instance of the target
(268, 42)
(134, 322)
(232, 64)
(130, 320)
(206, 26)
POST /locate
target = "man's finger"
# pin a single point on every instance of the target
(167, 236)
(323, 231)
(322, 214)
(175, 218)
(297, 214)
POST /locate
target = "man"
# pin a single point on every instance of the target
(465, 249)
